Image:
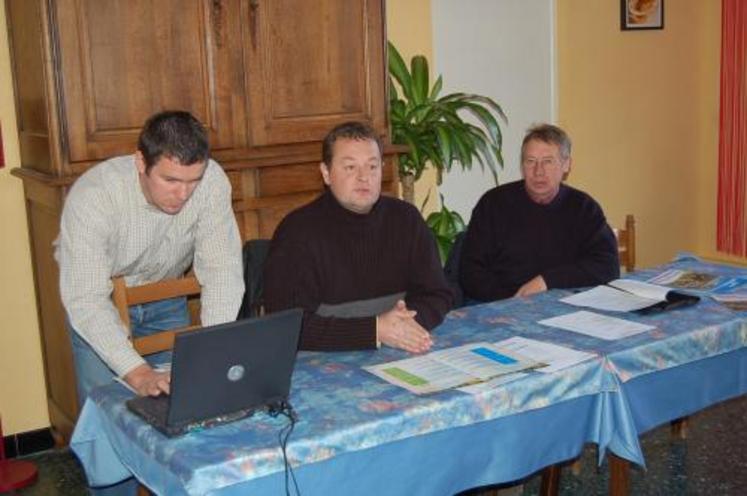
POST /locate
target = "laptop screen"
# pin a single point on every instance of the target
(234, 366)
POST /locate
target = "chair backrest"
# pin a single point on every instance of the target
(626, 244)
(124, 296)
(254, 254)
(451, 269)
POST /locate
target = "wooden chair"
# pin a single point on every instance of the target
(124, 296)
(626, 244)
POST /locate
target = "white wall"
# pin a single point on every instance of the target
(503, 49)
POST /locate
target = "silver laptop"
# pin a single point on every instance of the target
(226, 372)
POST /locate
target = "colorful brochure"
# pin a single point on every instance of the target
(452, 367)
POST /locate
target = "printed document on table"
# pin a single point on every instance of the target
(642, 289)
(482, 360)
(734, 301)
(699, 281)
(421, 374)
(610, 299)
(596, 325)
(685, 279)
(450, 368)
(555, 356)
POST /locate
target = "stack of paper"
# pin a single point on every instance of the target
(699, 281)
(625, 295)
(685, 279)
(735, 301)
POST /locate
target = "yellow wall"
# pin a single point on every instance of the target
(408, 24)
(642, 109)
(409, 27)
(22, 393)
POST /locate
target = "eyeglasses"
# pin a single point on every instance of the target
(545, 162)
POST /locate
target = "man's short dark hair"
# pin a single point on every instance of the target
(348, 130)
(547, 133)
(174, 134)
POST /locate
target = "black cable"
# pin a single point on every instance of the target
(287, 411)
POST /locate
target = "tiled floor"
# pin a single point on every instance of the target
(712, 461)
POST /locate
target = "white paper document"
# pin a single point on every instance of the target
(620, 295)
(555, 356)
(450, 368)
(607, 298)
(642, 289)
(597, 325)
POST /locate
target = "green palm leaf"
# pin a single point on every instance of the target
(434, 127)
(419, 70)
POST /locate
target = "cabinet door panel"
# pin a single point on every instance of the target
(313, 65)
(123, 60)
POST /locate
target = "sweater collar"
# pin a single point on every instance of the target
(558, 200)
(341, 213)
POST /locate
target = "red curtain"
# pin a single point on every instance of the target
(731, 233)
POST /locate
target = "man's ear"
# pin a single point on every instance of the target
(325, 172)
(567, 164)
(140, 162)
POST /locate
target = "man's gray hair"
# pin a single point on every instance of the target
(547, 133)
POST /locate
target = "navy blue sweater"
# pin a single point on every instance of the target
(511, 239)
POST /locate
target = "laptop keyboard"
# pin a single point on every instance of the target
(154, 410)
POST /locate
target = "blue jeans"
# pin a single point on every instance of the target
(91, 371)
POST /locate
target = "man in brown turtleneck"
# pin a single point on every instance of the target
(362, 266)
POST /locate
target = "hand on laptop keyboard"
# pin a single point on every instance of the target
(147, 382)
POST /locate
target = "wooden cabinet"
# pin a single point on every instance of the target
(312, 69)
(268, 78)
(121, 59)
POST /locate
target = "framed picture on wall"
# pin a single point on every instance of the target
(641, 14)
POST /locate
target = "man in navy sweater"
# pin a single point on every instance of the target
(536, 234)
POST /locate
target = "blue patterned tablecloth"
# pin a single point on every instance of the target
(344, 410)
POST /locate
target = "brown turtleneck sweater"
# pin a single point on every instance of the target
(323, 253)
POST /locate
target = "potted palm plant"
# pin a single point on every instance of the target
(435, 131)
(433, 126)
(445, 224)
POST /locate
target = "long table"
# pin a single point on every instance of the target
(356, 432)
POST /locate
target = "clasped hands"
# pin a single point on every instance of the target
(399, 329)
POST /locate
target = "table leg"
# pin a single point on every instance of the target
(619, 476)
(679, 428)
(550, 481)
(576, 467)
